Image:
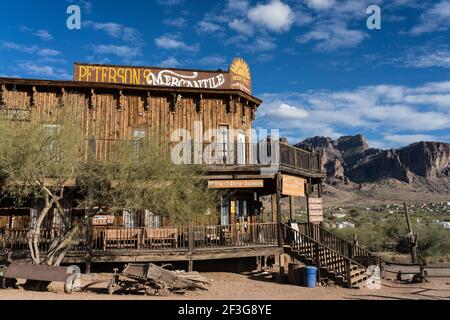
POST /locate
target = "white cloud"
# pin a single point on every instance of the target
(46, 71)
(238, 6)
(331, 37)
(429, 58)
(435, 18)
(117, 31)
(274, 16)
(242, 26)
(176, 22)
(172, 42)
(170, 62)
(320, 4)
(216, 61)
(18, 47)
(207, 26)
(397, 114)
(41, 52)
(125, 52)
(287, 111)
(262, 44)
(406, 139)
(43, 35)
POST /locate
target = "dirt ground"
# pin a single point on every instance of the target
(251, 286)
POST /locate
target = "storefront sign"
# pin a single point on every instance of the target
(293, 186)
(15, 114)
(238, 77)
(102, 220)
(315, 210)
(230, 184)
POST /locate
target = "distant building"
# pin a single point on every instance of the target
(345, 224)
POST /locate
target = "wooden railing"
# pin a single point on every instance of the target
(322, 255)
(236, 236)
(17, 239)
(299, 159)
(226, 154)
(344, 247)
(120, 239)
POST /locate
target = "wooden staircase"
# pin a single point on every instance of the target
(337, 259)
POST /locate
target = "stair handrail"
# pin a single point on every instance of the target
(323, 245)
(361, 250)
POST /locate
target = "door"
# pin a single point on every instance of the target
(241, 155)
(224, 141)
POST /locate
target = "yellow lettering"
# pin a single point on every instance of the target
(136, 76)
(104, 74)
(112, 75)
(128, 75)
(97, 71)
(81, 73)
(120, 74)
(89, 73)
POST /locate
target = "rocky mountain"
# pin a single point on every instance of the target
(350, 160)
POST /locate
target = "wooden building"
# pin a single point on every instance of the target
(115, 103)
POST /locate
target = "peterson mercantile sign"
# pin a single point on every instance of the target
(238, 77)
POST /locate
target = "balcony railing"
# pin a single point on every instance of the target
(219, 154)
(184, 238)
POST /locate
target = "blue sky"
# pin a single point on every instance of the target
(318, 68)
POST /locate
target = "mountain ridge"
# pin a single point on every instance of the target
(349, 159)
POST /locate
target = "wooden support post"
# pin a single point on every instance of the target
(273, 203)
(411, 236)
(89, 237)
(291, 207)
(281, 265)
(190, 247)
(278, 201)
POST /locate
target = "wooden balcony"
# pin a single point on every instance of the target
(226, 157)
(120, 244)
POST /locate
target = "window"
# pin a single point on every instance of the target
(152, 220)
(138, 137)
(241, 156)
(224, 141)
(130, 218)
(52, 131)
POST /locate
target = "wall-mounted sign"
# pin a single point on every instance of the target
(315, 210)
(225, 184)
(15, 114)
(102, 220)
(292, 186)
(238, 77)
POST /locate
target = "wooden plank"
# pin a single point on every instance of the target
(293, 186)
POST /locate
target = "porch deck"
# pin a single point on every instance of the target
(119, 244)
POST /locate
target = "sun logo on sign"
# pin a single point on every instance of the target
(241, 68)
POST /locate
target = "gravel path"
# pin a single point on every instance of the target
(230, 286)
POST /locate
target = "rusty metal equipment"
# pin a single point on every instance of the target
(153, 280)
(18, 270)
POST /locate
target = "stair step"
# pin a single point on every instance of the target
(357, 272)
(359, 279)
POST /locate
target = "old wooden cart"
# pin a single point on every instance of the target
(153, 280)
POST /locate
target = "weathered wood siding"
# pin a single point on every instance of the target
(105, 121)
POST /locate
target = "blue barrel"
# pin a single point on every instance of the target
(310, 276)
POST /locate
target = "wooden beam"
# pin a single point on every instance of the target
(291, 208)
(2, 95)
(147, 101)
(91, 99)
